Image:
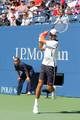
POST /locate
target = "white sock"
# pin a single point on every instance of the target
(36, 107)
(36, 101)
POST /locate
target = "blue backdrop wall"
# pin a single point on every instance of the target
(23, 42)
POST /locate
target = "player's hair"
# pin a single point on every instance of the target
(16, 59)
(51, 36)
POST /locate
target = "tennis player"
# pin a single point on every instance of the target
(47, 68)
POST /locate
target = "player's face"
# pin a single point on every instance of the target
(16, 62)
(52, 37)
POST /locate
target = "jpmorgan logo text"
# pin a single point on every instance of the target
(36, 54)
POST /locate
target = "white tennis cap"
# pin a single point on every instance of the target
(53, 31)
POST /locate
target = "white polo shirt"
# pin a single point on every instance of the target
(50, 53)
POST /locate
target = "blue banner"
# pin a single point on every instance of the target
(23, 42)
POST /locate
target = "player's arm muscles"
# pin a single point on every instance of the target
(41, 46)
(42, 40)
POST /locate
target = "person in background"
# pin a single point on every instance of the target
(25, 72)
(25, 19)
(4, 20)
(33, 9)
(19, 19)
(12, 12)
(22, 7)
(14, 21)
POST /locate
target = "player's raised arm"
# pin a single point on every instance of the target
(42, 40)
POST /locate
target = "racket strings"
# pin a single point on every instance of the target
(61, 25)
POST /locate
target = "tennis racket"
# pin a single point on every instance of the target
(61, 24)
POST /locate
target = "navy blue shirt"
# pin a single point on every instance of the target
(22, 70)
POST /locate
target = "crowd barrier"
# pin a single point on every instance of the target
(23, 42)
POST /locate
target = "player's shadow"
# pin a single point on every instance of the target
(70, 112)
(62, 112)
